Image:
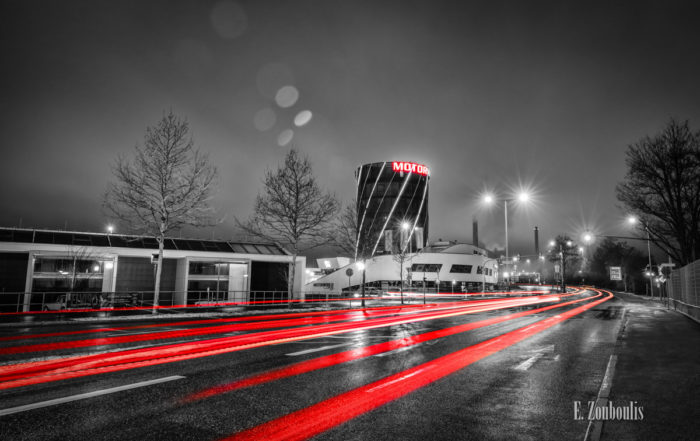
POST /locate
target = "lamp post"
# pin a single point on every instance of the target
(633, 220)
(361, 267)
(405, 226)
(523, 197)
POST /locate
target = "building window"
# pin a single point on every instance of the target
(478, 270)
(426, 267)
(462, 269)
(76, 274)
(208, 269)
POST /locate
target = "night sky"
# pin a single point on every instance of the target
(490, 95)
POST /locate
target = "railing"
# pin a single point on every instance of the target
(20, 302)
(14, 303)
(684, 290)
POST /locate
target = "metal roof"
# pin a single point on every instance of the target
(75, 238)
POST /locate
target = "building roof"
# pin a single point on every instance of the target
(454, 248)
(75, 238)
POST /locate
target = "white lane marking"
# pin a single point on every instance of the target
(595, 428)
(96, 393)
(528, 328)
(322, 348)
(549, 348)
(525, 365)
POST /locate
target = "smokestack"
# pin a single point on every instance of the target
(537, 241)
(475, 233)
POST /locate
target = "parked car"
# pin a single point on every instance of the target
(59, 305)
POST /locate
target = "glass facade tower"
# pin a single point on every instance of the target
(392, 208)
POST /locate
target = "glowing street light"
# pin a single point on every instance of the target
(522, 197)
(632, 220)
(405, 227)
(361, 266)
(110, 229)
(588, 238)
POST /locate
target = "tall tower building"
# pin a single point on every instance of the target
(392, 207)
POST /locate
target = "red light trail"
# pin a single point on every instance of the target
(329, 317)
(322, 416)
(70, 367)
(354, 354)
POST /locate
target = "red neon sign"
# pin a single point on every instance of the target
(410, 167)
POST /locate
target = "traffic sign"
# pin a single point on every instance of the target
(615, 273)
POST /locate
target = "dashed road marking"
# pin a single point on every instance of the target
(96, 393)
(525, 365)
(309, 351)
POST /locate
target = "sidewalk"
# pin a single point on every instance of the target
(658, 366)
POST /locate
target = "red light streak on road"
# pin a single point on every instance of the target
(24, 374)
(354, 354)
(245, 303)
(183, 306)
(322, 416)
(209, 321)
(355, 315)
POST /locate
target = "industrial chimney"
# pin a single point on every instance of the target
(475, 233)
(537, 241)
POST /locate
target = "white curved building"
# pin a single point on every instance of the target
(436, 266)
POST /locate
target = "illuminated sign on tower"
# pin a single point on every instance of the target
(410, 167)
(392, 207)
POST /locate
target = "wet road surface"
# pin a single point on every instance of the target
(508, 368)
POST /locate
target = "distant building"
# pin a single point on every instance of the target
(444, 266)
(37, 265)
(392, 206)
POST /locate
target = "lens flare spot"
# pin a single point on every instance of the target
(287, 96)
(302, 118)
(285, 137)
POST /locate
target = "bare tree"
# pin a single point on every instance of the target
(401, 257)
(166, 186)
(662, 186)
(292, 210)
(344, 232)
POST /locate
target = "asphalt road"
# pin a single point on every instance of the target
(394, 373)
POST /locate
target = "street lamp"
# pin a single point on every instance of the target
(361, 267)
(522, 197)
(110, 229)
(632, 220)
(405, 226)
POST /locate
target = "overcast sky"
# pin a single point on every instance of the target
(487, 94)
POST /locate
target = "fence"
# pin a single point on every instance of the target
(684, 290)
(19, 302)
(45, 302)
